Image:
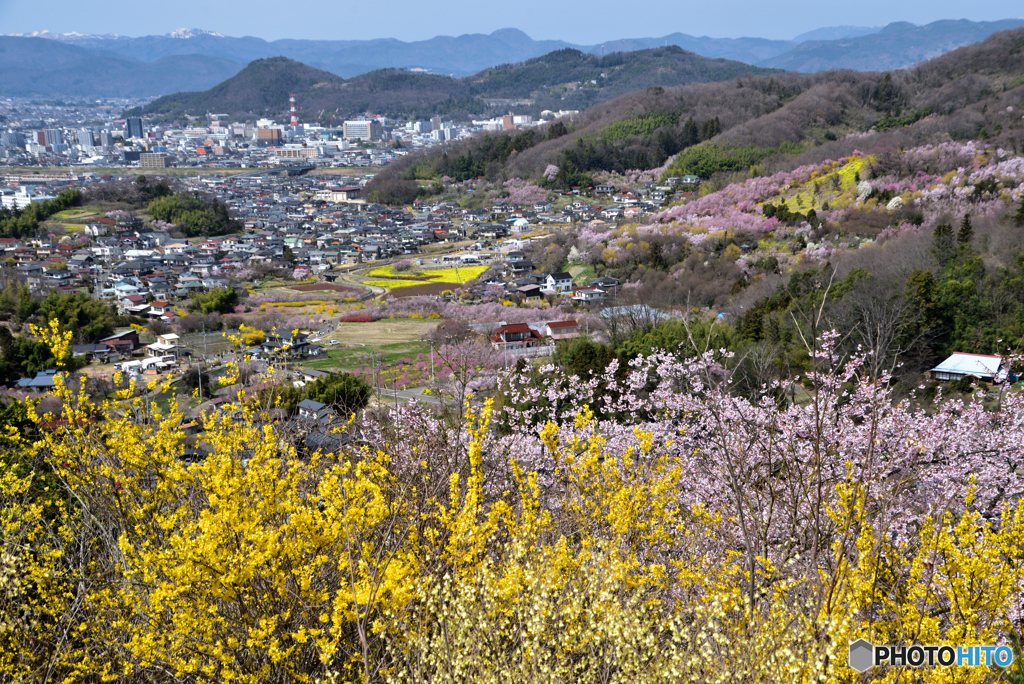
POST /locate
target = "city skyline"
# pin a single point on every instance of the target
(604, 21)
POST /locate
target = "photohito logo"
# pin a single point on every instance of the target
(864, 656)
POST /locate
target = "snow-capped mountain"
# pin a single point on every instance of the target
(192, 33)
(67, 37)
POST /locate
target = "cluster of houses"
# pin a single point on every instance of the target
(518, 218)
(520, 278)
(624, 204)
(311, 223)
(120, 348)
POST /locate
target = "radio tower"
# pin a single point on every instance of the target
(291, 102)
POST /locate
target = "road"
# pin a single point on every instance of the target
(387, 395)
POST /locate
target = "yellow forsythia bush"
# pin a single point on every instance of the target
(272, 560)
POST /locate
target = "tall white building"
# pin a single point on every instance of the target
(362, 130)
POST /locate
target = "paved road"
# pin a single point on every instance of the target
(348, 280)
(387, 395)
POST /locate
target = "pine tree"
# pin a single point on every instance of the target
(1018, 219)
(966, 233)
(690, 134)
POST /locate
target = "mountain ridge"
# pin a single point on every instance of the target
(896, 45)
(470, 53)
(561, 79)
(37, 67)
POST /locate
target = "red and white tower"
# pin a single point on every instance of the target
(291, 102)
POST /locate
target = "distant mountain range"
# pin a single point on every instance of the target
(563, 79)
(37, 67)
(896, 46)
(111, 65)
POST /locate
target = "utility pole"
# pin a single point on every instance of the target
(431, 361)
(201, 359)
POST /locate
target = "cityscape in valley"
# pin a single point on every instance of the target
(485, 357)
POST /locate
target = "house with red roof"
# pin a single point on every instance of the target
(517, 335)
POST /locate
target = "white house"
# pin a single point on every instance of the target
(588, 295)
(106, 251)
(165, 345)
(559, 282)
(159, 308)
(981, 366)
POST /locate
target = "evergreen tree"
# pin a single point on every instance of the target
(923, 289)
(690, 133)
(657, 260)
(1018, 219)
(966, 232)
(341, 390)
(710, 129)
(942, 243)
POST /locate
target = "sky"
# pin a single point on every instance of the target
(580, 21)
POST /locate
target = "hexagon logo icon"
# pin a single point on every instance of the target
(861, 652)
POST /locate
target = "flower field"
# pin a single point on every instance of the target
(396, 279)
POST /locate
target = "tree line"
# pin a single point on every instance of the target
(24, 222)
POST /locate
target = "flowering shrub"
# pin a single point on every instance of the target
(936, 180)
(646, 525)
(312, 298)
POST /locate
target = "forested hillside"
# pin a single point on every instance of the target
(570, 79)
(765, 121)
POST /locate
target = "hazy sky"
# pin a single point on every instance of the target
(579, 21)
